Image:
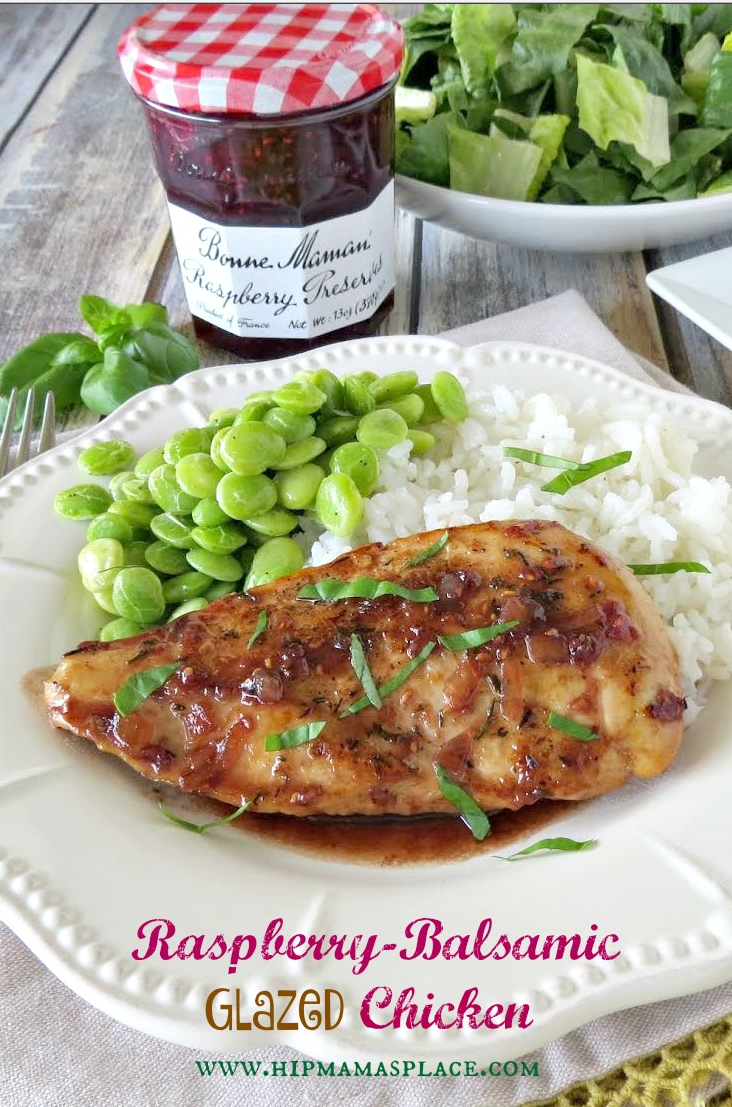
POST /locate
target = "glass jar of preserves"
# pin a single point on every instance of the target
(273, 133)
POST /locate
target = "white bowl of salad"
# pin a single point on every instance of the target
(568, 126)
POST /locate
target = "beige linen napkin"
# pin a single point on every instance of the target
(57, 1051)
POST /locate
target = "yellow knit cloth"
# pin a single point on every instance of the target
(676, 1076)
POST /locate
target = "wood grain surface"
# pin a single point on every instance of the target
(81, 210)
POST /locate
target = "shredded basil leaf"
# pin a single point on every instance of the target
(364, 588)
(259, 629)
(567, 480)
(474, 818)
(392, 684)
(471, 639)
(569, 726)
(567, 845)
(429, 552)
(362, 671)
(669, 567)
(296, 737)
(534, 458)
(200, 828)
(136, 690)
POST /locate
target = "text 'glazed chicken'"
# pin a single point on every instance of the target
(366, 704)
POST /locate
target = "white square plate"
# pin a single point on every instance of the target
(700, 288)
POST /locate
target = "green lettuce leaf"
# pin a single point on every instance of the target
(425, 157)
(614, 106)
(701, 56)
(723, 183)
(695, 85)
(717, 110)
(480, 116)
(414, 105)
(424, 33)
(685, 189)
(715, 19)
(644, 61)
(687, 150)
(543, 44)
(478, 32)
(547, 132)
(492, 165)
(593, 183)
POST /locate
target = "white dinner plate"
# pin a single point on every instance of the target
(583, 228)
(85, 856)
(700, 288)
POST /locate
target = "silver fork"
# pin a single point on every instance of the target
(46, 437)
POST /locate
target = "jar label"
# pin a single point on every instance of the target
(287, 282)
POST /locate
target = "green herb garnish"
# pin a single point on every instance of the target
(429, 552)
(566, 845)
(474, 818)
(364, 588)
(391, 685)
(669, 567)
(471, 639)
(259, 629)
(569, 726)
(296, 737)
(133, 348)
(587, 471)
(200, 828)
(137, 689)
(534, 458)
(362, 671)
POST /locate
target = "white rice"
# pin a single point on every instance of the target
(652, 509)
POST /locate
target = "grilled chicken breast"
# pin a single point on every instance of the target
(588, 645)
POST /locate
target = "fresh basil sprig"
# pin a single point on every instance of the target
(473, 816)
(137, 689)
(534, 458)
(259, 629)
(574, 472)
(431, 551)
(364, 588)
(661, 568)
(569, 478)
(133, 349)
(298, 736)
(360, 666)
(471, 639)
(565, 845)
(391, 685)
(201, 828)
(571, 727)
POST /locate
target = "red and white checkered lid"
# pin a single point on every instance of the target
(262, 58)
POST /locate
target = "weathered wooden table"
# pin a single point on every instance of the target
(82, 211)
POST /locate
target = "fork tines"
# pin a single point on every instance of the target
(47, 433)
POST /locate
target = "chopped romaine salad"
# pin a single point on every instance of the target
(568, 103)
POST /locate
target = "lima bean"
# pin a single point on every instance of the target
(137, 595)
(215, 565)
(82, 501)
(277, 558)
(339, 505)
(186, 586)
(382, 429)
(105, 458)
(244, 497)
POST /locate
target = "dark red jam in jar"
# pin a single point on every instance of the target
(273, 133)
